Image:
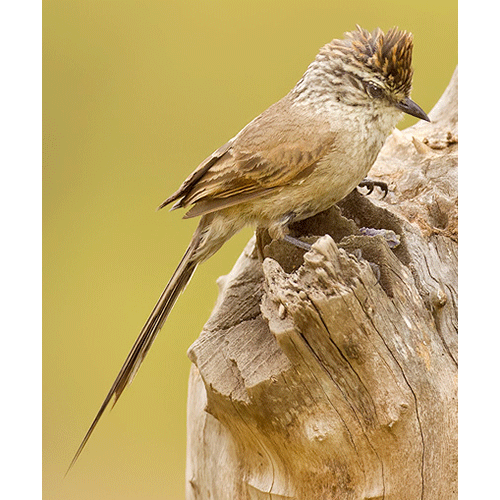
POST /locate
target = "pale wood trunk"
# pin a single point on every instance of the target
(315, 378)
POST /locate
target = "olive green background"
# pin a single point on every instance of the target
(135, 95)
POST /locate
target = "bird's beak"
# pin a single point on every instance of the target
(412, 108)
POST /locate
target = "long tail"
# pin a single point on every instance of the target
(150, 330)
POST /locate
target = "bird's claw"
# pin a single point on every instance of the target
(370, 184)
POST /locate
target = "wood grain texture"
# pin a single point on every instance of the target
(332, 374)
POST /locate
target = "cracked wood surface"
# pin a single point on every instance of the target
(332, 374)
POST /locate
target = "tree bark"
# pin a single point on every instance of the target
(332, 374)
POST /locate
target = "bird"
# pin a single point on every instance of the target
(299, 157)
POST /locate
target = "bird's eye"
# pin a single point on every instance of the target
(374, 90)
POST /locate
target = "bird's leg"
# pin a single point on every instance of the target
(370, 185)
(260, 241)
(281, 230)
(298, 243)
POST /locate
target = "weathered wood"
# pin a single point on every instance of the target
(332, 374)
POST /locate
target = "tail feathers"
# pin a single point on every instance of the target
(157, 318)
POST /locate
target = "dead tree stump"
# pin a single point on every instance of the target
(332, 374)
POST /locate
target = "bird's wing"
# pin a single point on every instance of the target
(278, 147)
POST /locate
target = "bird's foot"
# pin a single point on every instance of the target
(370, 184)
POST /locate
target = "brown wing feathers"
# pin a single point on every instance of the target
(235, 174)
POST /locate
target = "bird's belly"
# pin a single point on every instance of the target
(332, 180)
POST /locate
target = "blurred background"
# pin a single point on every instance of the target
(135, 95)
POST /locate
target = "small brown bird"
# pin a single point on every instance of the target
(299, 157)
